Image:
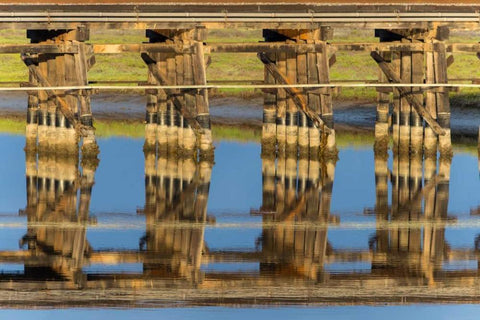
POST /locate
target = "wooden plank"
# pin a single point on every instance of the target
(38, 48)
(241, 47)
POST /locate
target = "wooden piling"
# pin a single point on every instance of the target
(313, 103)
(383, 105)
(291, 147)
(430, 139)
(405, 107)
(416, 123)
(443, 101)
(173, 115)
(202, 104)
(281, 104)
(269, 130)
(303, 131)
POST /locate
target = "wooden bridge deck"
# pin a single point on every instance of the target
(292, 14)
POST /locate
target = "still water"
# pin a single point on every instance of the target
(284, 238)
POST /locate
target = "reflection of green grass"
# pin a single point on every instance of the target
(119, 128)
(232, 133)
(13, 126)
(103, 128)
(358, 140)
(135, 130)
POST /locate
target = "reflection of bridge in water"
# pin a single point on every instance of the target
(405, 260)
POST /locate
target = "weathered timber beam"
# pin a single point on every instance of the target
(293, 92)
(38, 48)
(141, 47)
(172, 94)
(381, 46)
(211, 47)
(43, 81)
(263, 47)
(412, 99)
(404, 47)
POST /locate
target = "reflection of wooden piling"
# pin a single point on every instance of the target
(176, 191)
(420, 250)
(301, 195)
(52, 198)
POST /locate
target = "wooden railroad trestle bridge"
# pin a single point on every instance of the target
(297, 52)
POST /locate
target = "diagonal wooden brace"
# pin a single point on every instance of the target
(63, 106)
(417, 104)
(293, 92)
(172, 94)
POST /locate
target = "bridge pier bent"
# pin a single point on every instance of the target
(286, 128)
(178, 120)
(420, 117)
(58, 120)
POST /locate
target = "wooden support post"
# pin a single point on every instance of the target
(416, 124)
(405, 107)
(281, 104)
(430, 139)
(383, 105)
(291, 147)
(328, 143)
(203, 112)
(269, 130)
(303, 131)
(174, 131)
(84, 61)
(443, 101)
(189, 139)
(31, 129)
(314, 104)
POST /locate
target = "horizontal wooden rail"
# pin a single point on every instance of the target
(252, 47)
(252, 86)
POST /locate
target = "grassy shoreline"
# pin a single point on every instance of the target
(224, 132)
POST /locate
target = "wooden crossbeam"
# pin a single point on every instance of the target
(38, 48)
(246, 47)
(161, 78)
(295, 93)
(412, 99)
